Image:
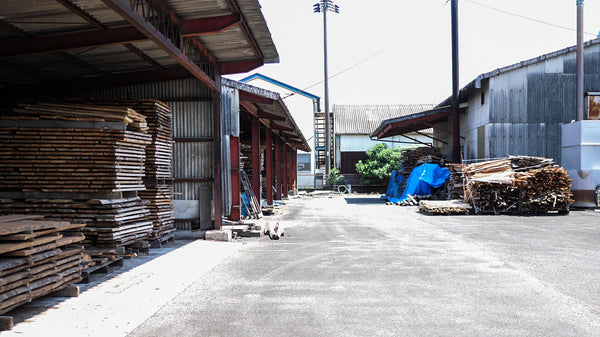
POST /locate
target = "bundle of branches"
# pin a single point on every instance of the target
(414, 157)
(517, 185)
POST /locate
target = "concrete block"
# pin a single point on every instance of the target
(218, 235)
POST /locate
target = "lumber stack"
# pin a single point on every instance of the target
(158, 194)
(109, 222)
(518, 185)
(72, 161)
(455, 187)
(37, 257)
(444, 207)
(414, 157)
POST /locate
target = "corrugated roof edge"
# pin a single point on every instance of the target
(267, 94)
(281, 84)
(476, 83)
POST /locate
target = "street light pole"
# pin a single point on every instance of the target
(324, 6)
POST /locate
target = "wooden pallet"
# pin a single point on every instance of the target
(100, 268)
(163, 240)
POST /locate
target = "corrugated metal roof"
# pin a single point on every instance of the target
(476, 83)
(248, 39)
(364, 119)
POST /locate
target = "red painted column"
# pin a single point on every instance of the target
(286, 169)
(290, 169)
(234, 144)
(295, 169)
(256, 158)
(269, 165)
(277, 168)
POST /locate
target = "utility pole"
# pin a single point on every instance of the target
(580, 61)
(324, 6)
(455, 88)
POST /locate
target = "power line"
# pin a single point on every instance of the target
(338, 73)
(524, 17)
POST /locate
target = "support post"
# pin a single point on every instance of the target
(291, 169)
(580, 62)
(256, 157)
(285, 169)
(217, 188)
(269, 165)
(277, 168)
(236, 214)
(455, 89)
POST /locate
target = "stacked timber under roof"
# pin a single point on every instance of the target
(86, 162)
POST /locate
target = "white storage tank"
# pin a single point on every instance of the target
(581, 159)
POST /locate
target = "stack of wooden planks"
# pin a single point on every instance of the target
(414, 157)
(159, 200)
(37, 257)
(455, 187)
(444, 207)
(158, 194)
(517, 185)
(77, 161)
(109, 222)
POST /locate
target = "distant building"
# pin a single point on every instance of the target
(353, 125)
(515, 110)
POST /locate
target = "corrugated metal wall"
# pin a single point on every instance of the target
(527, 107)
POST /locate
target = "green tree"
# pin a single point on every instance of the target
(377, 168)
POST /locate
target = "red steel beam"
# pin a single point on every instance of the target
(273, 117)
(136, 20)
(64, 42)
(96, 82)
(277, 168)
(291, 168)
(285, 169)
(269, 164)
(234, 143)
(256, 157)
(238, 67)
(246, 96)
(212, 25)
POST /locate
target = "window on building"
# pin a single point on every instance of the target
(304, 162)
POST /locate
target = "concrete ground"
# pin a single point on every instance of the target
(352, 266)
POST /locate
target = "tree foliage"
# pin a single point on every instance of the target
(377, 168)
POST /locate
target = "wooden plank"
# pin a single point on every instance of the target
(12, 248)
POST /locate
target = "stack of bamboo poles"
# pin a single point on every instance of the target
(517, 185)
(37, 257)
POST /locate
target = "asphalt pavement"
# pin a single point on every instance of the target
(353, 266)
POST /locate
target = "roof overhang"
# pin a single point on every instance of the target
(412, 123)
(63, 41)
(272, 112)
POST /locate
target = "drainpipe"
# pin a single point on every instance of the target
(580, 59)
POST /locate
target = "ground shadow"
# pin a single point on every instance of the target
(364, 201)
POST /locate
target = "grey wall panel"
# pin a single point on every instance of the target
(230, 111)
(165, 91)
(193, 160)
(192, 119)
(189, 190)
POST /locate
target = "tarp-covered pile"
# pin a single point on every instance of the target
(422, 180)
(517, 185)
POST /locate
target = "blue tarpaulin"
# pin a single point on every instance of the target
(394, 189)
(421, 181)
